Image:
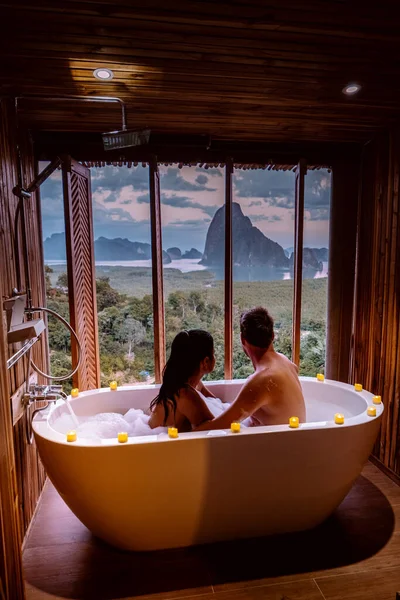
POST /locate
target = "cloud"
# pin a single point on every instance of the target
(317, 195)
(263, 184)
(143, 199)
(172, 180)
(201, 179)
(180, 202)
(275, 198)
(115, 178)
(211, 171)
(190, 222)
(128, 201)
(112, 197)
(255, 203)
(270, 218)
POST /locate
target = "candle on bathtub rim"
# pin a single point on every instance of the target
(339, 419)
(71, 436)
(371, 411)
(113, 385)
(74, 393)
(294, 422)
(320, 377)
(235, 427)
(122, 437)
(377, 400)
(358, 387)
(172, 432)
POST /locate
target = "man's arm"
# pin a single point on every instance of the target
(249, 400)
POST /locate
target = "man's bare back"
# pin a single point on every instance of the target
(277, 392)
(273, 393)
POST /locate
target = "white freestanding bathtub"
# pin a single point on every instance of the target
(154, 492)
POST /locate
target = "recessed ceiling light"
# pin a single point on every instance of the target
(351, 88)
(103, 74)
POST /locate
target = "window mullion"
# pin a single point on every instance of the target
(228, 283)
(298, 258)
(157, 270)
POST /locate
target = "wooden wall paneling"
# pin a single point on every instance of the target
(29, 472)
(266, 72)
(157, 270)
(298, 258)
(228, 283)
(11, 580)
(377, 302)
(342, 259)
(81, 272)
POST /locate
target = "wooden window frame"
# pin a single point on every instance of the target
(301, 171)
(157, 266)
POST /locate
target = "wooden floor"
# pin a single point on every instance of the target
(354, 555)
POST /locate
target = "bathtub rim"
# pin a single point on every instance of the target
(42, 428)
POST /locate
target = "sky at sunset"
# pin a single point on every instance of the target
(190, 197)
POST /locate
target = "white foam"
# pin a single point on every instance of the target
(135, 423)
(216, 406)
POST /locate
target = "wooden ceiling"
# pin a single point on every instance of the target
(235, 70)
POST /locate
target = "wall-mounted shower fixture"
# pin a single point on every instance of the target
(17, 329)
(113, 140)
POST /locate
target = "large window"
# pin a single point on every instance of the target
(122, 248)
(53, 227)
(262, 240)
(193, 226)
(195, 284)
(317, 196)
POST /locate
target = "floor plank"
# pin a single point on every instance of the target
(358, 543)
(377, 585)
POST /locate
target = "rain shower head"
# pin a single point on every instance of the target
(114, 140)
(125, 138)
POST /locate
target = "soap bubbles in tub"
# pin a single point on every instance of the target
(134, 422)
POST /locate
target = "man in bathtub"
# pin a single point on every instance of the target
(273, 393)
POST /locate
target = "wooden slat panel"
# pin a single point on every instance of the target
(157, 270)
(11, 580)
(228, 284)
(298, 258)
(81, 272)
(29, 472)
(377, 322)
(342, 258)
(227, 69)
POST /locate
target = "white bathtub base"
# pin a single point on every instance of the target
(197, 489)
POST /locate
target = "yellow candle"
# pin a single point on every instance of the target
(358, 387)
(294, 422)
(122, 437)
(71, 436)
(377, 400)
(339, 419)
(172, 432)
(235, 427)
(113, 385)
(74, 393)
(320, 377)
(371, 411)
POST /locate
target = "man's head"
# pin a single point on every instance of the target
(256, 329)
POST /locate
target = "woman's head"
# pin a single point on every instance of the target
(192, 354)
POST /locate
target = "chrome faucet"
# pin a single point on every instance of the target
(43, 393)
(37, 398)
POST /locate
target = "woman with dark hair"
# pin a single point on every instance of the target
(181, 399)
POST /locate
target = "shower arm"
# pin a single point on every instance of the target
(61, 98)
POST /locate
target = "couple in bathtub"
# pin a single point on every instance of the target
(268, 397)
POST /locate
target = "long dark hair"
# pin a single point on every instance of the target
(188, 349)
